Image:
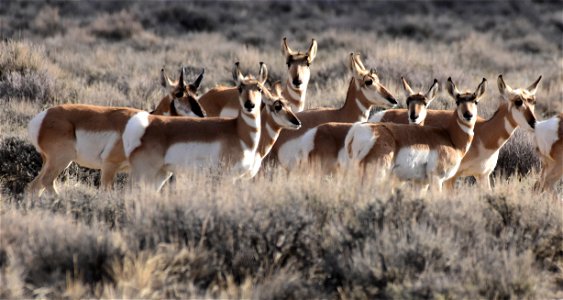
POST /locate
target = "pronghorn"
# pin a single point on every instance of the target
(425, 154)
(88, 135)
(175, 104)
(549, 140)
(364, 91)
(157, 145)
(276, 115)
(223, 101)
(324, 144)
(490, 135)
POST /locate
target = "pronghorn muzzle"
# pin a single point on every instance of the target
(249, 105)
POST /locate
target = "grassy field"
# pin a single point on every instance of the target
(302, 234)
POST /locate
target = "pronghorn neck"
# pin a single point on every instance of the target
(269, 134)
(496, 131)
(248, 128)
(296, 97)
(460, 133)
(357, 106)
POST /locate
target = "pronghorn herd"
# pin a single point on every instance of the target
(233, 129)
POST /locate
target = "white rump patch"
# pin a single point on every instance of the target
(377, 117)
(134, 131)
(33, 128)
(229, 112)
(546, 134)
(93, 147)
(359, 141)
(193, 154)
(296, 151)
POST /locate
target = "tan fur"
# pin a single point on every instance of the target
(450, 142)
(181, 95)
(57, 140)
(552, 163)
(350, 112)
(490, 134)
(220, 98)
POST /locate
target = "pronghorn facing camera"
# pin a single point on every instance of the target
(424, 154)
(276, 115)
(182, 97)
(516, 109)
(364, 91)
(223, 101)
(324, 144)
(549, 141)
(157, 145)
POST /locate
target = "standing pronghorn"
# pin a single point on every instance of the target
(174, 104)
(517, 109)
(549, 140)
(156, 145)
(223, 101)
(88, 135)
(425, 154)
(324, 144)
(276, 115)
(364, 91)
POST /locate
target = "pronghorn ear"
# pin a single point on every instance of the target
(278, 89)
(237, 75)
(481, 88)
(357, 67)
(263, 74)
(198, 80)
(534, 87)
(452, 89)
(312, 53)
(165, 81)
(503, 88)
(285, 48)
(181, 82)
(407, 87)
(432, 92)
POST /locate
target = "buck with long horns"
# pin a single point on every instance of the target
(223, 101)
(424, 154)
(364, 91)
(324, 144)
(157, 146)
(90, 136)
(516, 109)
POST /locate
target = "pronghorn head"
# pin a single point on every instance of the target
(250, 89)
(367, 83)
(417, 103)
(184, 96)
(280, 110)
(521, 102)
(467, 101)
(298, 64)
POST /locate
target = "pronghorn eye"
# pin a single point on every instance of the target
(260, 90)
(277, 106)
(369, 82)
(518, 103)
(179, 94)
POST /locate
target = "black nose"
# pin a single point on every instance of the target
(532, 123)
(413, 117)
(294, 121)
(297, 82)
(248, 105)
(468, 116)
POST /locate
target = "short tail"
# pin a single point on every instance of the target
(34, 128)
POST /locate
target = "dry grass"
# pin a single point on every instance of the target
(297, 235)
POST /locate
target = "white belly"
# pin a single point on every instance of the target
(193, 154)
(295, 152)
(93, 147)
(228, 112)
(415, 164)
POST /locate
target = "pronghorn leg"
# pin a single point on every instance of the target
(161, 178)
(108, 174)
(484, 181)
(552, 175)
(54, 167)
(36, 187)
(450, 184)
